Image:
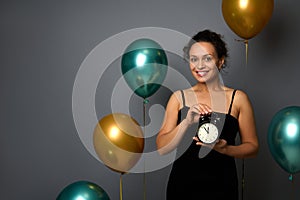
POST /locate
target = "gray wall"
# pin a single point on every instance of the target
(43, 44)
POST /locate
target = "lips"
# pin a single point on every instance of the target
(201, 73)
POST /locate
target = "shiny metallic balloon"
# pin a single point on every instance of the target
(247, 18)
(118, 141)
(83, 190)
(144, 66)
(284, 138)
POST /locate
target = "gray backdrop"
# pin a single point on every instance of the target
(43, 44)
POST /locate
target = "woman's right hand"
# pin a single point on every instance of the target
(196, 111)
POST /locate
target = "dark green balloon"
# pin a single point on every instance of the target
(144, 66)
(284, 138)
(83, 190)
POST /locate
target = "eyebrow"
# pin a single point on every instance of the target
(202, 56)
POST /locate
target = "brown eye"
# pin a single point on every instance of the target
(207, 58)
(193, 59)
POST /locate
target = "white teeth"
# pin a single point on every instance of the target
(202, 73)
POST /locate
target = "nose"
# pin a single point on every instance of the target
(199, 65)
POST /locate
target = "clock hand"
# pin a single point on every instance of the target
(207, 130)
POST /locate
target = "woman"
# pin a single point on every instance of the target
(212, 173)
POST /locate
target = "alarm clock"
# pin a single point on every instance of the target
(208, 129)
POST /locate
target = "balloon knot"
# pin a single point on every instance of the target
(146, 101)
(291, 177)
(244, 41)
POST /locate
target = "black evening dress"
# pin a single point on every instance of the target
(212, 177)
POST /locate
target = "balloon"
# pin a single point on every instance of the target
(118, 141)
(247, 17)
(144, 66)
(284, 139)
(83, 190)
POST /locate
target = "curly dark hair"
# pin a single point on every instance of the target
(208, 36)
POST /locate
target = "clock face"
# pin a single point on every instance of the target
(208, 133)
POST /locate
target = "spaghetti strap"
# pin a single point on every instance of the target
(232, 97)
(183, 99)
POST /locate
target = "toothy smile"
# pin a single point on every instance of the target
(201, 73)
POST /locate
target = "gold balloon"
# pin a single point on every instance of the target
(118, 141)
(247, 17)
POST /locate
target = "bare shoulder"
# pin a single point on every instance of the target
(176, 96)
(242, 100)
(240, 95)
(175, 99)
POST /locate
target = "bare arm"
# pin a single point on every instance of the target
(170, 133)
(249, 141)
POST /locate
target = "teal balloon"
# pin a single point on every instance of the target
(284, 138)
(83, 190)
(144, 66)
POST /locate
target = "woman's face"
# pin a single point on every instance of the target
(204, 62)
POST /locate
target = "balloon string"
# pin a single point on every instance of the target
(144, 186)
(246, 42)
(121, 187)
(146, 101)
(292, 181)
(247, 46)
(243, 165)
(243, 178)
(144, 114)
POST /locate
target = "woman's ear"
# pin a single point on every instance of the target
(221, 63)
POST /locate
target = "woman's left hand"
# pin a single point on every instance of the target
(219, 146)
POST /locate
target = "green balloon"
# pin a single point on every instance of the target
(144, 66)
(83, 190)
(284, 138)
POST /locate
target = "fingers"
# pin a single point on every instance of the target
(203, 144)
(221, 143)
(202, 109)
(196, 111)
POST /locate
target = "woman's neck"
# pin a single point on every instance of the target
(208, 87)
